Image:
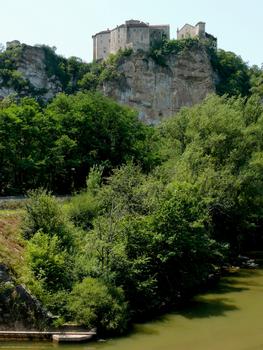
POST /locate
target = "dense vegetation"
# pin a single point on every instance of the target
(55, 146)
(135, 244)
(158, 211)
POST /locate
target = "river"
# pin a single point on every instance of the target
(228, 318)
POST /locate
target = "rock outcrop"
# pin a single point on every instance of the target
(33, 67)
(31, 70)
(19, 310)
(155, 90)
(159, 91)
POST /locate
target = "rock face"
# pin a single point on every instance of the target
(19, 310)
(33, 68)
(158, 91)
(29, 62)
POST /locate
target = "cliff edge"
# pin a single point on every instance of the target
(160, 90)
(155, 88)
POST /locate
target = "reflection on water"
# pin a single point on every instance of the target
(229, 318)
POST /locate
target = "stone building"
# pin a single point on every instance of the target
(189, 31)
(133, 34)
(197, 31)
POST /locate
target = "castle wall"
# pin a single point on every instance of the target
(138, 38)
(101, 45)
(189, 31)
(158, 32)
(133, 34)
(118, 39)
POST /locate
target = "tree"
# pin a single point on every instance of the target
(222, 137)
(233, 74)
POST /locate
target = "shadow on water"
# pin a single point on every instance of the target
(227, 287)
(244, 280)
(248, 273)
(201, 308)
(196, 308)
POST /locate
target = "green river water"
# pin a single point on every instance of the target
(229, 318)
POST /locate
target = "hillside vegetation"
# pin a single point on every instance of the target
(135, 244)
(156, 212)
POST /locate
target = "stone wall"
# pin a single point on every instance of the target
(138, 38)
(118, 39)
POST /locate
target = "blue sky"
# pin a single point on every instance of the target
(69, 24)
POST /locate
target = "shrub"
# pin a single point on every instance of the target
(44, 213)
(93, 304)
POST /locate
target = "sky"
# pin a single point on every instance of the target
(69, 24)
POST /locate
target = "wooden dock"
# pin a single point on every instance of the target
(49, 336)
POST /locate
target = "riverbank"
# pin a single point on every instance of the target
(54, 335)
(227, 317)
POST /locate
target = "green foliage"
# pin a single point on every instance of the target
(55, 65)
(82, 210)
(94, 304)
(161, 206)
(50, 251)
(162, 49)
(151, 240)
(233, 74)
(45, 214)
(67, 138)
(256, 80)
(109, 68)
(48, 262)
(19, 159)
(217, 152)
(89, 82)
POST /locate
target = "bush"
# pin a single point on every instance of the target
(82, 209)
(44, 213)
(48, 262)
(93, 304)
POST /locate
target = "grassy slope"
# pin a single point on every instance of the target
(11, 244)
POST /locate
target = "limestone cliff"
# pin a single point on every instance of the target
(155, 90)
(159, 91)
(24, 71)
(33, 67)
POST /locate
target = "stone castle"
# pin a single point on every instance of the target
(133, 34)
(138, 35)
